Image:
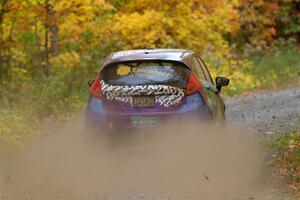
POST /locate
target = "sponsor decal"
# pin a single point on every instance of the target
(164, 95)
(123, 70)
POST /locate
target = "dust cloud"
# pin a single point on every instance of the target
(179, 161)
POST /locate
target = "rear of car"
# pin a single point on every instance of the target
(141, 93)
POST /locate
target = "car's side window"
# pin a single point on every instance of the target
(205, 70)
(198, 69)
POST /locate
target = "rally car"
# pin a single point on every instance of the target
(142, 88)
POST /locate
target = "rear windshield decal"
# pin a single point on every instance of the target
(164, 95)
(124, 70)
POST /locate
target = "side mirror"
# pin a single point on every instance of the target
(90, 82)
(221, 81)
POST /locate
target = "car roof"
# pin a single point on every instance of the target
(177, 55)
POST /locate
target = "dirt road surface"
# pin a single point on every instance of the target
(266, 112)
(179, 161)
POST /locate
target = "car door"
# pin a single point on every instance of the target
(202, 78)
(214, 100)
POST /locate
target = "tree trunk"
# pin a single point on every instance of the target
(51, 29)
(38, 56)
(4, 61)
(54, 39)
(2, 12)
(46, 63)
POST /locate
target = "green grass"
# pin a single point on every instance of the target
(287, 150)
(277, 69)
(27, 103)
(15, 127)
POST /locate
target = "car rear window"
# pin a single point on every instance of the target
(146, 73)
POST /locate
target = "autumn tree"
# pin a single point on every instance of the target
(36, 30)
(3, 45)
(191, 24)
(263, 22)
(38, 34)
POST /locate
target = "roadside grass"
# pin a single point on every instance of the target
(277, 69)
(286, 148)
(27, 104)
(15, 128)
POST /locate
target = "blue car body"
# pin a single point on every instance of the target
(141, 88)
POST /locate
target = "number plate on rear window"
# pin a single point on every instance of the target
(143, 102)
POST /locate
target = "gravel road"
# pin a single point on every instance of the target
(267, 112)
(63, 163)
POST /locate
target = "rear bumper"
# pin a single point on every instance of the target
(97, 116)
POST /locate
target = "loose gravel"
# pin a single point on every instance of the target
(266, 112)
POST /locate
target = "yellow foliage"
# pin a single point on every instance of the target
(66, 60)
(190, 24)
(141, 30)
(76, 16)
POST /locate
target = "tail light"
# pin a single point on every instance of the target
(95, 89)
(193, 85)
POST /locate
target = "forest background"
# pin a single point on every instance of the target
(49, 49)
